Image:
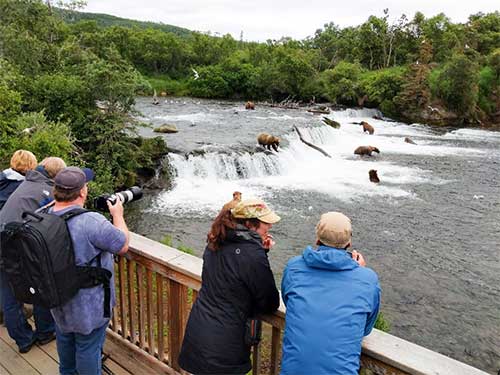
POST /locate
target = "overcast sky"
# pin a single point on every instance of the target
(272, 19)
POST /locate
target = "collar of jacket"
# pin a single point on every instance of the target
(242, 233)
(11, 174)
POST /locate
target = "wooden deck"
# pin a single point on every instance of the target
(39, 360)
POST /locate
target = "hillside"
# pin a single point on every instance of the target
(106, 20)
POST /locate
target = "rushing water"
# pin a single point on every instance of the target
(431, 228)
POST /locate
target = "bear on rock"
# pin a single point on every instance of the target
(268, 140)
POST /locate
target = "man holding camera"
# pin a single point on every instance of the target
(332, 301)
(81, 323)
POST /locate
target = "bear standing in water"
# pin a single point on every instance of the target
(268, 140)
(249, 105)
(367, 127)
(366, 150)
(373, 176)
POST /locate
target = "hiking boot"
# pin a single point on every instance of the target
(47, 338)
(27, 348)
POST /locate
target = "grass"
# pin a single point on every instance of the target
(163, 83)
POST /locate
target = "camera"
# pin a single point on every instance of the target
(129, 195)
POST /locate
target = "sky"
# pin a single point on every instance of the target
(260, 20)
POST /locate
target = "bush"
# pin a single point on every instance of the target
(457, 85)
(382, 323)
(342, 83)
(382, 86)
(488, 84)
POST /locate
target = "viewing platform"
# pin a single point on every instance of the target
(156, 286)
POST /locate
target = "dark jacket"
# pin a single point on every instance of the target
(9, 181)
(34, 192)
(237, 283)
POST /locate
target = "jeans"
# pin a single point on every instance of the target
(80, 354)
(15, 321)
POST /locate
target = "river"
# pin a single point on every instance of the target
(430, 229)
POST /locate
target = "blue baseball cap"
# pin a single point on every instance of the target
(72, 179)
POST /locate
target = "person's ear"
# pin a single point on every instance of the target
(318, 242)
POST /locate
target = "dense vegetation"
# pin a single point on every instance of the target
(59, 97)
(68, 80)
(403, 67)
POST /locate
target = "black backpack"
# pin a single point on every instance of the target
(38, 259)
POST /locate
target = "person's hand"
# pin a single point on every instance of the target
(358, 258)
(116, 210)
(268, 242)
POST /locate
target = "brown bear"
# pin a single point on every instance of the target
(268, 140)
(373, 176)
(249, 105)
(408, 140)
(366, 150)
(367, 127)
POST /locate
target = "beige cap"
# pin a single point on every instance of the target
(334, 229)
(254, 209)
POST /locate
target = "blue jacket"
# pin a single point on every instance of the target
(9, 181)
(331, 303)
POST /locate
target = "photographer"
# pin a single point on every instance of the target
(81, 323)
(332, 301)
(237, 284)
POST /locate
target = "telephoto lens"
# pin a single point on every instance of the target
(129, 195)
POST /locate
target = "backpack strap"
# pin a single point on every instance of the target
(99, 275)
(72, 213)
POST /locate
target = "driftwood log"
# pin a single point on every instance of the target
(310, 144)
(332, 123)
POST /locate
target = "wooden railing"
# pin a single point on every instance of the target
(156, 286)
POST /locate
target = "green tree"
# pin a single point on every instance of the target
(458, 85)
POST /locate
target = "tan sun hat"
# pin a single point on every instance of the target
(334, 229)
(255, 209)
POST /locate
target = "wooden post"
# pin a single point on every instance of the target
(149, 292)
(161, 318)
(275, 351)
(141, 301)
(176, 306)
(256, 359)
(123, 311)
(131, 299)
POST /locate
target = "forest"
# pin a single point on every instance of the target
(68, 80)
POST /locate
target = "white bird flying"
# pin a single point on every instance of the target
(196, 75)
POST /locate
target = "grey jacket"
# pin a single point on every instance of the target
(34, 192)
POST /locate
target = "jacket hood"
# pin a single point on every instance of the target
(10, 174)
(39, 175)
(329, 258)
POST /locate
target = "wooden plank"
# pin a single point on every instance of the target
(134, 359)
(165, 270)
(411, 358)
(160, 318)
(131, 300)
(275, 350)
(14, 362)
(4, 371)
(123, 309)
(149, 293)
(142, 306)
(36, 357)
(115, 367)
(177, 306)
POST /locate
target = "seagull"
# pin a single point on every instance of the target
(196, 75)
(433, 109)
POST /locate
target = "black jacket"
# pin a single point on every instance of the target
(237, 283)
